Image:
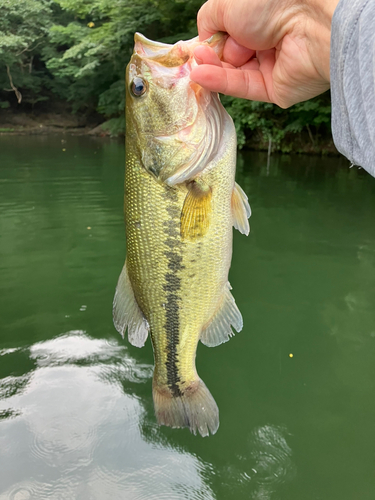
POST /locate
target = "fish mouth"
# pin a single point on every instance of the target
(172, 55)
(175, 60)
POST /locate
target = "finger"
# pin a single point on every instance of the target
(236, 54)
(205, 55)
(210, 19)
(248, 84)
(267, 61)
(253, 64)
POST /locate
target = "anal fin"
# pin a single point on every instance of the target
(196, 211)
(219, 329)
(241, 210)
(126, 312)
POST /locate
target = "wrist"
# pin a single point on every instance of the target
(323, 10)
(319, 33)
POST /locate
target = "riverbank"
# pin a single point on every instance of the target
(45, 123)
(57, 122)
(301, 143)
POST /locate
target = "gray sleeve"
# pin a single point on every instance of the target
(353, 81)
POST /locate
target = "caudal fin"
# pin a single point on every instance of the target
(195, 408)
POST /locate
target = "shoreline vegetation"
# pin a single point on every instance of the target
(62, 65)
(54, 123)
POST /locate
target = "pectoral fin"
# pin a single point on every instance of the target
(126, 312)
(241, 210)
(196, 211)
(219, 329)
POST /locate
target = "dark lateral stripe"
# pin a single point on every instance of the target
(172, 330)
(175, 261)
(172, 287)
(172, 327)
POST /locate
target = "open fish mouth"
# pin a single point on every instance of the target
(172, 55)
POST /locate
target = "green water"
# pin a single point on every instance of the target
(76, 413)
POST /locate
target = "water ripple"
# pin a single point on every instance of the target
(272, 456)
(9, 386)
(78, 434)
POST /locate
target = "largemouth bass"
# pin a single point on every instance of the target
(181, 201)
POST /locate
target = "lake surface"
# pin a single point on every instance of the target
(295, 389)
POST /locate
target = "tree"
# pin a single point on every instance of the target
(76, 51)
(24, 28)
(90, 53)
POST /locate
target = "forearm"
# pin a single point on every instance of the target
(352, 81)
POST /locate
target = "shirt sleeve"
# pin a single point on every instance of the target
(353, 81)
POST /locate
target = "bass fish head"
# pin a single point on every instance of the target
(173, 123)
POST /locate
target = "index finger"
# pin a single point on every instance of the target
(247, 84)
(210, 19)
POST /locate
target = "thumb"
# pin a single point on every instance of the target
(210, 19)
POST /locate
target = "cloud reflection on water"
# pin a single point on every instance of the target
(75, 433)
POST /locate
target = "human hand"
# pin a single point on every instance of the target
(277, 50)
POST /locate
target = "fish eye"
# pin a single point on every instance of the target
(138, 86)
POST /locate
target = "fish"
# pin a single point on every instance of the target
(180, 203)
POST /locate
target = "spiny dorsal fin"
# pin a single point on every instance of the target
(196, 211)
(241, 210)
(219, 329)
(126, 312)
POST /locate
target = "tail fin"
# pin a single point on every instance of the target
(195, 408)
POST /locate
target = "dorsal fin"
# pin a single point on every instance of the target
(219, 329)
(241, 210)
(126, 312)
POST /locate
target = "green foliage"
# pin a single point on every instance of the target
(115, 126)
(264, 121)
(24, 28)
(76, 51)
(89, 53)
